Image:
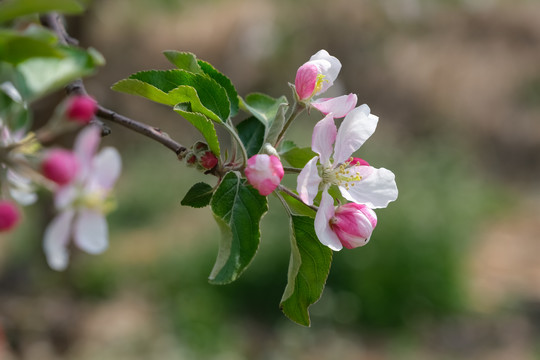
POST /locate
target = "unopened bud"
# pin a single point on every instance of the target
(9, 215)
(264, 172)
(60, 166)
(81, 109)
(208, 160)
(353, 224)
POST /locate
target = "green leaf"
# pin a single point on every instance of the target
(238, 209)
(13, 109)
(263, 107)
(298, 157)
(202, 123)
(183, 61)
(11, 9)
(198, 196)
(251, 132)
(16, 47)
(146, 90)
(309, 267)
(212, 95)
(38, 76)
(273, 131)
(297, 207)
(285, 146)
(223, 81)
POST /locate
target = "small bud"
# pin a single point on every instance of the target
(264, 173)
(200, 146)
(191, 159)
(81, 109)
(60, 166)
(9, 215)
(208, 160)
(353, 224)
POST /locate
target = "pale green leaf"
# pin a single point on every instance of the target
(298, 157)
(183, 61)
(201, 123)
(11, 9)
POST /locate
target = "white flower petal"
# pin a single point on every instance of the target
(322, 223)
(355, 129)
(376, 189)
(308, 181)
(64, 196)
(91, 232)
(338, 106)
(56, 239)
(106, 168)
(85, 147)
(330, 72)
(324, 135)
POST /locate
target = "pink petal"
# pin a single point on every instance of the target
(306, 80)
(376, 189)
(353, 224)
(322, 223)
(338, 106)
(56, 239)
(264, 172)
(308, 181)
(324, 135)
(91, 231)
(106, 168)
(355, 129)
(85, 147)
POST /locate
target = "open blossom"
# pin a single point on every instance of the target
(9, 215)
(348, 225)
(264, 172)
(83, 202)
(315, 77)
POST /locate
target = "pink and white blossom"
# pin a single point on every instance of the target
(357, 183)
(349, 225)
(264, 172)
(315, 77)
(83, 203)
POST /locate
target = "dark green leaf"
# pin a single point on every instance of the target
(223, 81)
(198, 196)
(297, 207)
(11, 9)
(251, 132)
(238, 209)
(308, 270)
(183, 61)
(202, 123)
(212, 95)
(298, 157)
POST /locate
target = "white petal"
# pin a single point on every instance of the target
(322, 226)
(308, 181)
(330, 72)
(91, 232)
(106, 168)
(324, 135)
(376, 189)
(338, 106)
(64, 196)
(355, 129)
(85, 147)
(56, 239)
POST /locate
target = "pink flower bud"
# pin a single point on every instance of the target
(353, 224)
(191, 160)
(81, 109)
(9, 215)
(306, 80)
(264, 173)
(208, 160)
(60, 166)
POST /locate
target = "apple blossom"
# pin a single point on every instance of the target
(348, 225)
(9, 215)
(83, 202)
(315, 77)
(358, 183)
(60, 166)
(81, 109)
(264, 172)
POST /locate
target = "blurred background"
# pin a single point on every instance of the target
(452, 269)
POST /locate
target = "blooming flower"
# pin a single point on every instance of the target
(83, 202)
(264, 172)
(315, 77)
(9, 215)
(60, 166)
(348, 225)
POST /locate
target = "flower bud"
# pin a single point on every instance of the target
(353, 224)
(306, 80)
(9, 215)
(208, 160)
(81, 109)
(264, 173)
(60, 166)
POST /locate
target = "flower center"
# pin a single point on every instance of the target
(319, 83)
(343, 175)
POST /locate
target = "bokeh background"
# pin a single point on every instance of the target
(452, 270)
